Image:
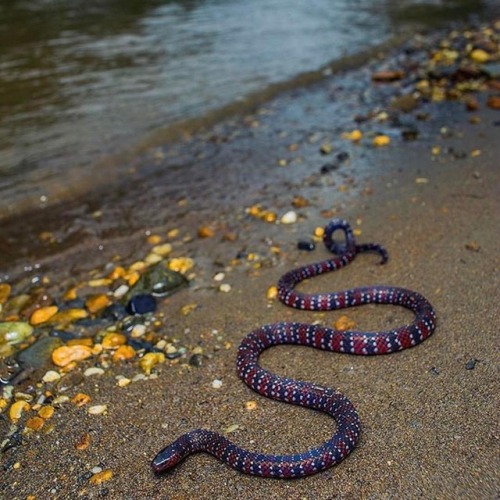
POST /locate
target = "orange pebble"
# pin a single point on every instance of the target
(100, 477)
(35, 423)
(84, 442)
(97, 302)
(117, 272)
(124, 353)
(42, 315)
(80, 399)
(64, 355)
(344, 323)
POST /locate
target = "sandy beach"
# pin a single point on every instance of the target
(429, 414)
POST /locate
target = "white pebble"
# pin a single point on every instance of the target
(51, 376)
(219, 276)
(139, 376)
(96, 469)
(225, 288)
(289, 217)
(97, 409)
(122, 381)
(217, 384)
(121, 291)
(94, 370)
(138, 331)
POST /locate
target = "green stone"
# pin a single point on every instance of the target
(14, 332)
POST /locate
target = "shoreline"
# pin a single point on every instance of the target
(420, 408)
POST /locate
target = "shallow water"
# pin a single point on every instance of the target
(83, 81)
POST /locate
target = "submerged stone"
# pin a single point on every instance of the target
(158, 281)
(141, 304)
(39, 354)
(14, 332)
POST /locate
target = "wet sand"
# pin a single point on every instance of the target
(429, 414)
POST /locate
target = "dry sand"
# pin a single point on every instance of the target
(430, 424)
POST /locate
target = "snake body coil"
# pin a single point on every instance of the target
(307, 394)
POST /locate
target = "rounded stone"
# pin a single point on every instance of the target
(141, 304)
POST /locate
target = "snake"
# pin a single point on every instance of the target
(306, 394)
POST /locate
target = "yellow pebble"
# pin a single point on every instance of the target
(355, 135)
(83, 341)
(132, 277)
(113, 340)
(64, 355)
(149, 360)
(188, 309)
(46, 412)
(42, 315)
(173, 233)
(381, 140)
(100, 282)
(272, 292)
(251, 405)
(69, 315)
(4, 292)
(479, 56)
(117, 272)
(16, 410)
(319, 232)
(162, 250)
(181, 264)
(137, 266)
(101, 477)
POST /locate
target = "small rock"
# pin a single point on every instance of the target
(68, 381)
(14, 332)
(141, 304)
(97, 409)
(94, 370)
(387, 76)
(149, 360)
(217, 384)
(471, 364)
(289, 217)
(225, 288)
(306, 245)
(64, 355)
(51, 376)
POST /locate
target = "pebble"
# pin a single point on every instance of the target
(69, 380)
(14, 332)
(219, 277)
(162, 250)
(123, 353)
(69, 316)
(181, 264)
(141, 304)
(122, 381)
(289, 217)
(471, 364)
(42, 315)
(381, 140)
(97, 302)
(94, 370)
(64, 355)
(97, 409)
(272, 292)
(197, 360)
(115, 311)
(225, 288)
(251, 405)
(101, 477)
(38, 354)
(46, 412)
(307, 245)
(138, 331)
(5, 290)
(121, 291)
(35, 423)
(355, 136)
(16, 410)
(217, 384)
(113, 340)
(51, 376)
(344, 323)
(151, 359)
